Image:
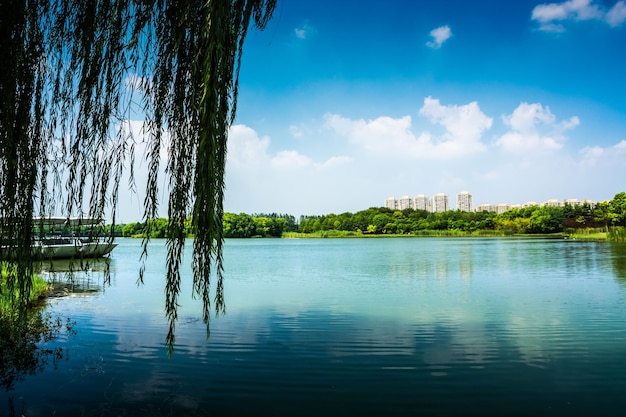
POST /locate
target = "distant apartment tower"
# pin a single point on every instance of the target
(553, 202)
(485, 207)
(464, 201)
(390, 203)
(440, 203)
(573, 202)
(422, 202)
(501, 207)
(403, 202)
(588, 202)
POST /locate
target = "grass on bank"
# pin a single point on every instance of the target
(39, 287)
(614, 234)
(24, 333)
(588, 236)
(420, 233)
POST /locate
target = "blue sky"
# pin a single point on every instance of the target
(345, 103)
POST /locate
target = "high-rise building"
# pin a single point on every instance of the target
(464, 201)
(485, 207)
(422, 202)
(502, 207)
(403, 202)
(573, 202)
(390, 203)
(553, 202)
(440, 203)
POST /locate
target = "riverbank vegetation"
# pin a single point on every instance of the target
(9, 295)
(24, 330)
(601, 221)
(234, 225)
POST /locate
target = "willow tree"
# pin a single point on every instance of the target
(72, 75)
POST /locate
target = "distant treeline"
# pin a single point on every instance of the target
(381, 221)
(235, 225)
(528, 220)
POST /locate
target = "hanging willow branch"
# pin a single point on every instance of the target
(70, 76)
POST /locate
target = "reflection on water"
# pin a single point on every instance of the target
(618, 256)
(20, 338)
(353, 327)
(75, 276)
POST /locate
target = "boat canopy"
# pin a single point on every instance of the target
(67, 221)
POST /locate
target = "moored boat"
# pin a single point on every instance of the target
(72, 237)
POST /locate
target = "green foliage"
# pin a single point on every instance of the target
(10, 296)
(527, 220)
(547, 219)
(258, 225)
(73, 72)
(617, 209)
(617, 234)
(235, 226)
(572, 219)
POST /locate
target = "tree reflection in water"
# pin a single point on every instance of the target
(24, 335)
(618, 252)
(20, 339)
(76, 275)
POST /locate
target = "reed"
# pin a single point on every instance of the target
(617, 234)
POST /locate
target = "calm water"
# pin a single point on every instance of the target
(350, 327)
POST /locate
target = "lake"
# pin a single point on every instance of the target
(402, 326)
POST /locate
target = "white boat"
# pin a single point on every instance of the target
(71, 247)
(69, 243)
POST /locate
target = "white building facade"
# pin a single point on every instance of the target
(404, 202)
(464, 201)
(422, 202)
(440, 203)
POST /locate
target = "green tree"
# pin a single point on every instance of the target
(547, 219)
(70, 75)
(380, 221)
(617, 209)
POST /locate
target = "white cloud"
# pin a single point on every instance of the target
(290, 159)
(534, 128)
(383, 134)
(247, 152)
(464, 123)
(245, 147)
(259, 180)
(525, 117)
(444, 148)
(293, 160)
(295, 131)
(549, 16)
(439, 35)
(336, 161)
(305, 31)
(592, 155)
(300, 33)
(135, 82)
(617, 15)
(132, 195)
(464, 126)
